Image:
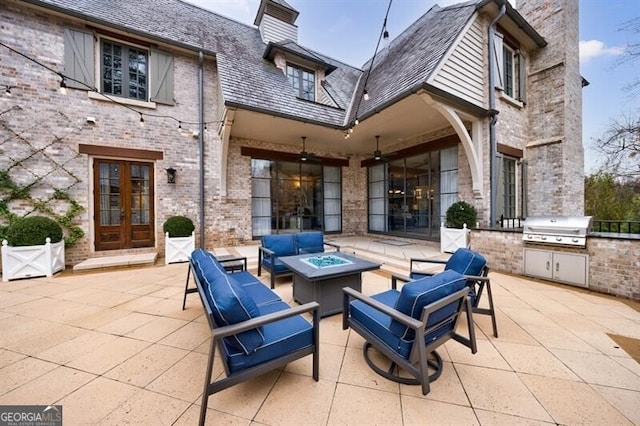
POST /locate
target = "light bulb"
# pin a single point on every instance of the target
(365, 95)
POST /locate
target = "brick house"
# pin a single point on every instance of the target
(267, 136)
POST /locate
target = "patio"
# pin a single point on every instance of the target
(114, 347)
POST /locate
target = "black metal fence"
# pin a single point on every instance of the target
(510, 222)
(617, 226)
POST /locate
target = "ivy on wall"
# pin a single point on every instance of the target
(39, 155)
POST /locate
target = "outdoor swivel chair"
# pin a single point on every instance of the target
(408, 326)
(468, 263)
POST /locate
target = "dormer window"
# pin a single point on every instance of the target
(303, 81)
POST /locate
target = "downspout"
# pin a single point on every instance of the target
(494, 117)
(201, 141)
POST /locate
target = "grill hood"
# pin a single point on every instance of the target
(564, 230)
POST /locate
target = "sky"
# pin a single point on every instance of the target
(347, 30)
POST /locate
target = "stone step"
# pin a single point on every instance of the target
(120, 261)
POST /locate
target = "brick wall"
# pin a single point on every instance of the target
(555, 151)
(614, 263)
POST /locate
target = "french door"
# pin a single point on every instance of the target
(123, 200)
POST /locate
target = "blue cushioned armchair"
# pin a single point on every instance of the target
(275, 246)
(466, 262)
(254, 330)
(408, 326)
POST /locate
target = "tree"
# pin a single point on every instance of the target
(620, 144)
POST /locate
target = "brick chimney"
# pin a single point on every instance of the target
(276, 20)
(554, 150)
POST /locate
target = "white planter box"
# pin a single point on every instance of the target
(178, 249)
(32, 261)
(451, 239)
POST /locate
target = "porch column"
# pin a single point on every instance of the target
(472, 144)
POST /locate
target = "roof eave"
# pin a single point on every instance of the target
(518, 19)
(108, 24)
(271, 47)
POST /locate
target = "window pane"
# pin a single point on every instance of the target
(508, 71)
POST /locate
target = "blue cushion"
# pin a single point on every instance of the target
(280, 338)
(378, 323)
(310, 242)
(281, 244)
(466, 262)
(229, 302)
(260, 293)
(420, 293)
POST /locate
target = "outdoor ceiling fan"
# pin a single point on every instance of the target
(377, 154)
(307, 156)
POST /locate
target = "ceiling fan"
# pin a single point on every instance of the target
(307, 156)
(377, 154)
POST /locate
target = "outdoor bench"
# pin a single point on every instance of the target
(275, 246)
(254, 329)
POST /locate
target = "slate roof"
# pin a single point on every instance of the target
(411, 57)
(251, 82)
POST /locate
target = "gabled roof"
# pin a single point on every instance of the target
(251, 82)
(283, 4)
(405, 65)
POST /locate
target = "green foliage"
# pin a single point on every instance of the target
(460, 213)
(33, 231)
(606, 198)
(178, 226)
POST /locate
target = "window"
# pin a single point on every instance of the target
(511, 76)
(509, 68)
(509, 187)
(124, 71)
(409, 196)
(303, 81)
(291, 197)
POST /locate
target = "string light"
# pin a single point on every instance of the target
(63, 90)
(365, 95)
(63, 85)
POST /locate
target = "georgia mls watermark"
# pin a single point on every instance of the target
(30, 415)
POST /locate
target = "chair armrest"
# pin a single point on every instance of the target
(334, 245)
(230, 330)
(267, 252)
(441, 262)
(396, 315)
(234, 259)
(402, 278)
(476, 278)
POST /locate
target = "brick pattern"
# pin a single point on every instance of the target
(555, 110)
(613, 262)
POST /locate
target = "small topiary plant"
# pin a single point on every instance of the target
(178, 226)
(33, 231)
(460, 213)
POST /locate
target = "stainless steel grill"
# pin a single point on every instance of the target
(557, 230)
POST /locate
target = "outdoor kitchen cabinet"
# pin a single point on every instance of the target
(569, 268)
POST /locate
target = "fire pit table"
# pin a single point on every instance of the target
(320, 277)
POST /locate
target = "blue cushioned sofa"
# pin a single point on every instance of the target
(275, 246)
(254, 330)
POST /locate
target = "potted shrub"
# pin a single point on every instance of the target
(179, 239)
(33, 246)
(454, 233)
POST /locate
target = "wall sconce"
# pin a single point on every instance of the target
(171, 175)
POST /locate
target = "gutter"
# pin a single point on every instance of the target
(494, 117)
(517, 18)
(201, 141)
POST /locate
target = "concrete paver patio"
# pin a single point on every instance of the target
(115, 347)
